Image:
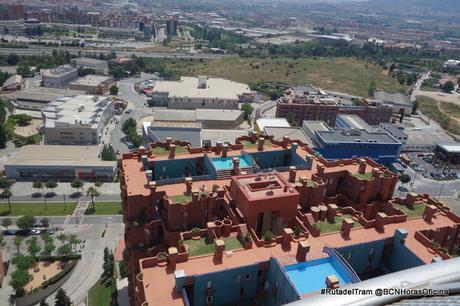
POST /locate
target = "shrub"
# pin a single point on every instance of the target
(248, 237)
(123, 269)
(68, 267)
(23, 262)
(297, 231)
(268, 236)
(195, 231)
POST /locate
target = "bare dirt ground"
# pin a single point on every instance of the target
(442, 96)
(29, 130)
(45, 271)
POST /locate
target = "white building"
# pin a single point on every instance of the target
(76, 120)
(59, 77)
(201, 92)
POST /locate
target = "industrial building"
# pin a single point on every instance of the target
(76, 120)
(263, 123)
(449, 152)
(201, 92)
(92, 84)
(400, 103)
(352, 138)
(65, 163)
(99, 66)
(265, 222)
(13, 83)
(59, 77)
(35, 98)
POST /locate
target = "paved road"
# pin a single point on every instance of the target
(419, 84)
(34, 50)
(59, 220)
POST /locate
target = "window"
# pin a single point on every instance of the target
(209, 299)
(248, 276)
(238, 278)
(209, 284)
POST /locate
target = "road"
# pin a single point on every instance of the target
(59, 220)
(34, 50)
(417, 86)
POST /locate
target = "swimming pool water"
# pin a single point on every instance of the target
(310, 276)
(226, 163)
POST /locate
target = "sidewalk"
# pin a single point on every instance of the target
(24, 189)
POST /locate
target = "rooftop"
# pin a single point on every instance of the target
(262, 123)
(59, 71)
(58, 155)
(81, 110)
(197, 115)
(451, 147)
(216, 88)
(83, 60)
(392, 98)
(294, 133)
(13, 80)
(43, 94)
(92, 80)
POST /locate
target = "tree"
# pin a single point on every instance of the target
(4, 182)
(404, 178)
(3, 138)
(45, 222)
(19, 279)
(77, 184)
(33, 247)
(109, 263)
(372, 88)
(108, 153)
(22, 119)
(40, 185)
(26, 222)
(17, 242)
(62, 299)
(64, 249)
(23, 262)
(46, 237)
(448, 86)
(24, 71)
(118, 73)
(114, 90)
(92, 192)
(62, 238)
(129, 125)
(123, 269)
(49, 248)
(12, 59)
(51, 184)
(247, 109)
(6, 223)
(73, 240)
(7, 194)
(44, 303)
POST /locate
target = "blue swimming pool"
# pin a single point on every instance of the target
(226, 163)
(310, 276)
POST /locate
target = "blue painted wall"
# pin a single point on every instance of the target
(209, 168)
(357, 255)
(401, 257)
(382, 153)
(285, 292)
(173, 168)
(269, 159)
(225, 285)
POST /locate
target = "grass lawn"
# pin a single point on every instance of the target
(415, 212)
(365, 176)
(432, 108)
(339, 74)
(38, 209)
(163, 151)
(326, 227)
(101, 293)
(202, 247)
(106, 208)
(182, 199)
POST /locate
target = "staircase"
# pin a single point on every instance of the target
(226, 174)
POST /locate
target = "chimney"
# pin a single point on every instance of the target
(172, 151)
(188, 185)
(149, 174)
(168, 141)
(260, 144)
(236, 165)
(362, 166)
(286, 141)
(292, 174)
(319, 169)
(224, 150)
(144, 162)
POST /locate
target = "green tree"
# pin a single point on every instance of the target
(247, 110)
(22, 119)
(73, 240)
(33, 247)
(12, 59)
(19, 279)
(114, 90)
(4, 182)
(109, 263)
(26, 222)
(62, 299)
(108, 153)
(40, 185)
(3, 136)
(448, 86)
(17, 242)
(6, 222)
(46, 237)
(7, 194)
(92, 192)
(372, 89)
(23, 262)
(44, 303)
(49, 248)
(64, 249)
(404, 178)
(24, 71)
(123, 269)
(77, 184)
(129, 125)
(62, 238)
(118, 73)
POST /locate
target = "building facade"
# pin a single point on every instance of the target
(59, 77)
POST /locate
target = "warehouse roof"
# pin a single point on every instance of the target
(392, 98)
(215, 88)
(42, 94)
(49, 155)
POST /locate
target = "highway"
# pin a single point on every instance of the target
(34, 50)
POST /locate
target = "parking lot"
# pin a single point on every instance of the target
(429, 166)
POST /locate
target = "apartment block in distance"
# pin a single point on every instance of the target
(265, 222)
(76, 120)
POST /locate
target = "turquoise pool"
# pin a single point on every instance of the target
(310, 276)
(226, 163)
